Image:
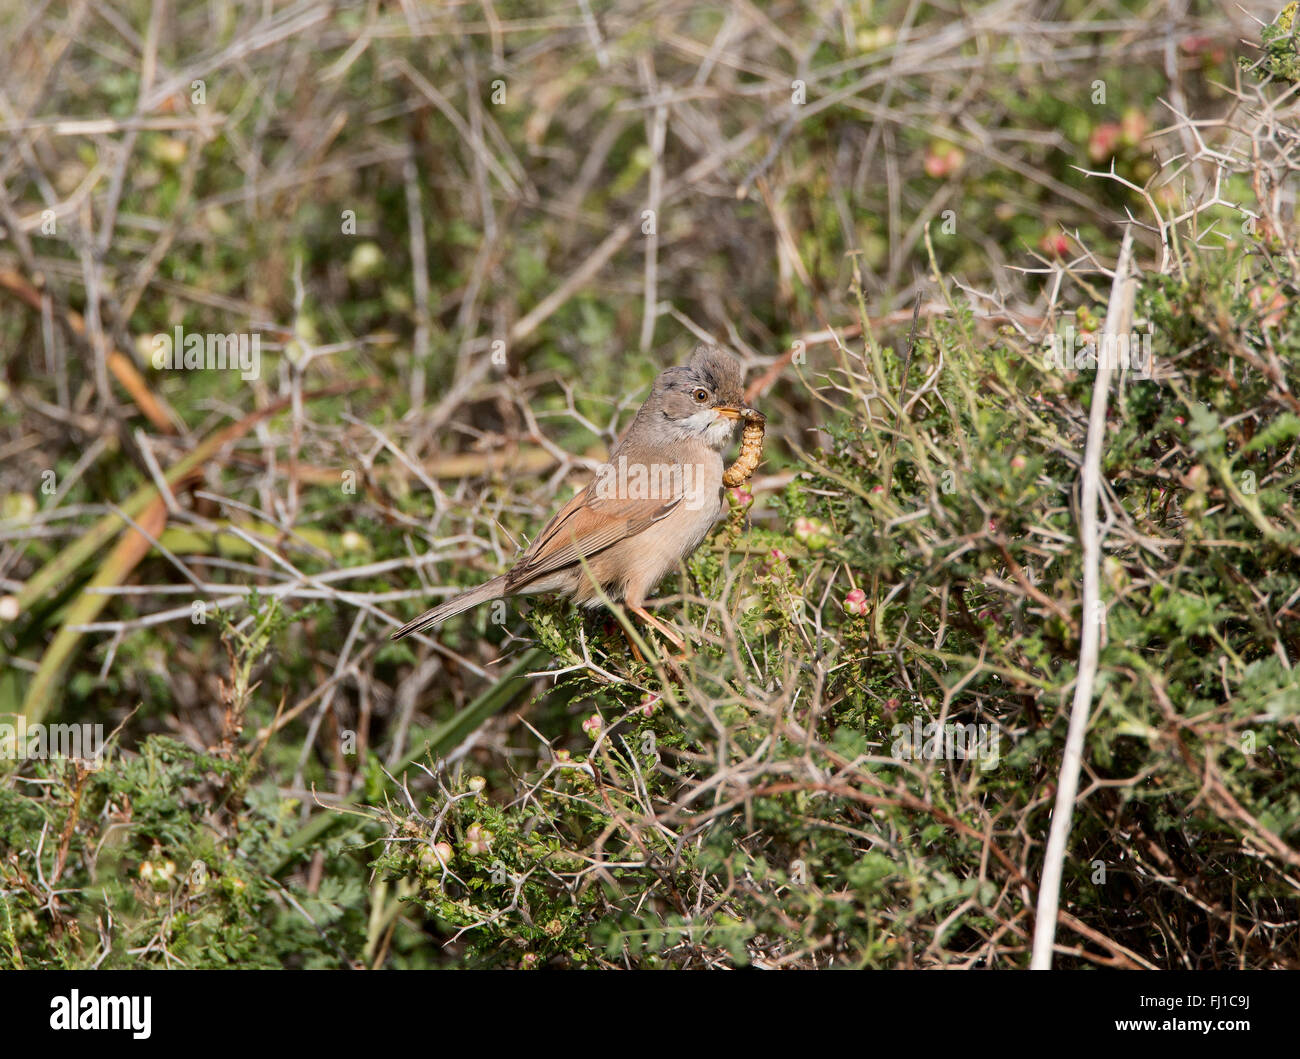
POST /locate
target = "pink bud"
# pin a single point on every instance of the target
(1104, 141)
(813, 533)
(1054, 243)
(855, 603)
(943, 159)
(1133, 127)
(478, 839)
(776, 560)
(592, 725)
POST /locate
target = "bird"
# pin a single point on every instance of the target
(650, 505)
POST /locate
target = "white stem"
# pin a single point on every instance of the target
(1067, 788)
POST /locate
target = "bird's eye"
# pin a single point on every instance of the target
(701, 395)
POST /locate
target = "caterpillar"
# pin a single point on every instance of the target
(751, 450)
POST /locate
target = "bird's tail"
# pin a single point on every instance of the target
(457, 604)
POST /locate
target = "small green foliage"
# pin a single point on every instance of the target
(1281, 55)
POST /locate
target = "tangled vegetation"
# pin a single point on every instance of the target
(438, 228)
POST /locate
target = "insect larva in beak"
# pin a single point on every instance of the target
(751, 451)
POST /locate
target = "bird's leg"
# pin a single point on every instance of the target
(658, 626)
(636, 651)
(673, 668)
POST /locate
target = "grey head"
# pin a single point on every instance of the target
(702, 399)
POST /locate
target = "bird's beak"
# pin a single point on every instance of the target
(744, 412)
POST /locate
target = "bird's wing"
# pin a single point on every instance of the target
(582, 528)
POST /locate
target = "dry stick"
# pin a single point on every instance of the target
(656, 131)
(613, 242)
(152, 407)
(125, 556)
(266, 34)
(425, 87)
(152, 261)
(1067, 789)
(893, 444)
(902, 393)
(66, 562)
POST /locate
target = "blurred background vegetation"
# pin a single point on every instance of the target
(467, 236)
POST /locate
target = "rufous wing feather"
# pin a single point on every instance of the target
(582, 530)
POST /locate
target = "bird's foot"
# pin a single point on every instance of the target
(663, 630)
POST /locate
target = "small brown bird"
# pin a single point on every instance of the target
(649, 507)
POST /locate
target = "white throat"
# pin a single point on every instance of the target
(713, 429)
